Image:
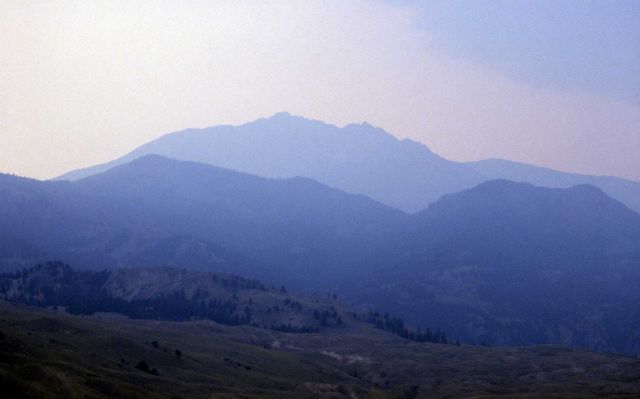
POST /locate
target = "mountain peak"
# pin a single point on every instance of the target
(283, 115)
(286, 117)
(285, 120)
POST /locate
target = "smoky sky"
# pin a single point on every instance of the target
(85, 82)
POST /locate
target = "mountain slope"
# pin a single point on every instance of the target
(358, 158)
(510, 263)
(157, 209)
(296, 226)
(512, 223)
(44, 220)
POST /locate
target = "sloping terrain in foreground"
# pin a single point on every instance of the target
(50, 354)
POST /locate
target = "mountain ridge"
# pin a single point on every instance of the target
(356, 158)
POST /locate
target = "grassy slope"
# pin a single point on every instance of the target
(48, 354)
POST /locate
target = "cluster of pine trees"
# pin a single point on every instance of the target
(397, 326)
(295, 329)
(238, 283)
(328, 316)
(293, 304)
(82, 293)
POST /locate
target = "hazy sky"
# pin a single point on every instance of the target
(554, 83)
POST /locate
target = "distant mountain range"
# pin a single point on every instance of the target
(504, 262)
(358, 158)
